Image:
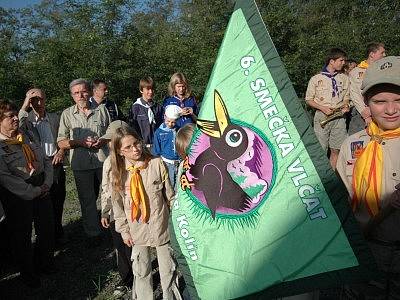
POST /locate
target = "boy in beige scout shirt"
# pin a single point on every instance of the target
(369, 165)
(326, 92)
(360, 115)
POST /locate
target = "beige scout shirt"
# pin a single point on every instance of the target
(389, 229)
(356, 77)
(160, 193)
(75, 125)
(13, 171)
(320, 90)
(106, 191)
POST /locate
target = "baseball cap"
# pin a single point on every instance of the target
(113, 127)
(385, 70)
(173, 111)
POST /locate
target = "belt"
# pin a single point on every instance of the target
(170, 161)
(385, 243)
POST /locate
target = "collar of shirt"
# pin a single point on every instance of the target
(76, 110)
(146, 103)
(93, 103)
(3, 137)
(164, 127)
(179, 99)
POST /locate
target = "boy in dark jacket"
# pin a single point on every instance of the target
(145, 115)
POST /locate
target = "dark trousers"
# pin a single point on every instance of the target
(123, 257)
(43, 221)
(88, 184)
(57, 194)
(19, 214)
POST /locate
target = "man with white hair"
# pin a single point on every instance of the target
(43, 126)
(80, 130)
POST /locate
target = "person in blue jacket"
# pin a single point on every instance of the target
(164, 141)
(180, 95)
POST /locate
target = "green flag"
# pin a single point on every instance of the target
(258, 208)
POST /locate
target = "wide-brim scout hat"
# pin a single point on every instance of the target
(112, 128)
(385, 70)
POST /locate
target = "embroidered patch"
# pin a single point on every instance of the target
(356, 148)
(386, 65)
(360, 75)
(320, 83)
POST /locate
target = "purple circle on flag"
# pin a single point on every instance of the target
(253, 171)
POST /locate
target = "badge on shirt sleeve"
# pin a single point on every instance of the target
(356, 148)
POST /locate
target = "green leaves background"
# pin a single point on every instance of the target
(50, 44)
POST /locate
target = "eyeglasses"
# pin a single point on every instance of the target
(137, 145)
(80, 93)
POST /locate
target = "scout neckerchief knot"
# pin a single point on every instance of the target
(367, 173)
(139, 205)
(335, 90)
(147, 105)
(363, 64)
(26, 150)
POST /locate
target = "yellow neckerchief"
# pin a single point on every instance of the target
(367, 172)
(139, 205)
(363, 64)
(26, 150)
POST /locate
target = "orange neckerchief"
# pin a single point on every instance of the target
(139, 205)
(363, 64)
(367, 172)
(26, 150)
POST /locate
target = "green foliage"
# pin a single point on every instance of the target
(122, 41)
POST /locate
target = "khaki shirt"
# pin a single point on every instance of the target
(160, 193)
(389, 229)
(106, 191)
(13, 171)
(320, 90)
(75, 125)
(356, 77)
